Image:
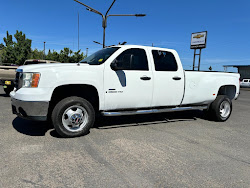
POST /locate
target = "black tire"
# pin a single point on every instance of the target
(7, 91)
(60, 117)
(221, 108)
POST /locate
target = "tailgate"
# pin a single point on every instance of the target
(7, 72)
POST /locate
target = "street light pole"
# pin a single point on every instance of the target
(105, 17)
(104, 23)
(78, 31)
(44, 50)
(87, 51)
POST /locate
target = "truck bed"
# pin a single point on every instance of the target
(201, 87)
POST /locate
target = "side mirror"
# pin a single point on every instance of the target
(124, 64)
(116, 66)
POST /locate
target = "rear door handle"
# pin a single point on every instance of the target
(176, 78)
(145, 78)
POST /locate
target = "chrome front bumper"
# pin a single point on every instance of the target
(37, 111)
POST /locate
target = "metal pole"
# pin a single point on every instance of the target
(109, 8)
(104, 22)
(103, 43)
(104, 17)
(199, 60)
(87, 52)
(44, 50)
(78, 31)
(194, 59)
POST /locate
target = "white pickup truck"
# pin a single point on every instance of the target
(115, 81)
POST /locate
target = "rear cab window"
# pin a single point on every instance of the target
(164, 61)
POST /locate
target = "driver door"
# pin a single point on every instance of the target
(131, 86)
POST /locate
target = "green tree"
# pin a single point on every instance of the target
(1, 52)
(56, 56)
(22, 47)
(16, 52)
(64, 55)
(8, 55)
(49, 55)
(53, 55)
(77, 56)
(36, 54)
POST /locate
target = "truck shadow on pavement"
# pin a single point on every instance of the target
(4, 95)
(33, 128)
(149, 119)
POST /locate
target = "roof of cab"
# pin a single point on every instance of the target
(140, 46)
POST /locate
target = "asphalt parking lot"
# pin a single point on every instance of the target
(162, 150)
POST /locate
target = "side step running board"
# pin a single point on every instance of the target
(135, 112)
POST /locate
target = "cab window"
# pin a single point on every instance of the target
(164, 61)
(133, 59)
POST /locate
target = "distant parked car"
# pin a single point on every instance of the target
(245, 83)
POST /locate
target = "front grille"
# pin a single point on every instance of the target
(18, 79)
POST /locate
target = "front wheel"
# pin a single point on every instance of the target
(73, 116)
(221, 108)
(8, 90)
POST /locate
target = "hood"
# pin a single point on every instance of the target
(37, 67)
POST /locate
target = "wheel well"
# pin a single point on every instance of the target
(228, 90)
(87, 92)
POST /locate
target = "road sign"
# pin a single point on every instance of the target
(198, 40)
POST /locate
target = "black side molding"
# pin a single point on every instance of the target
(176, 78)
(145, 78)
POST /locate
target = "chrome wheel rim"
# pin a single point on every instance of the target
(225, 109)
(75, 118)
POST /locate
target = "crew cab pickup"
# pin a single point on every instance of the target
(7, 73)
(115, 81)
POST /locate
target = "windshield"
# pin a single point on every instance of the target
(100, 56)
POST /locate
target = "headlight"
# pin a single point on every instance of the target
(30, 79)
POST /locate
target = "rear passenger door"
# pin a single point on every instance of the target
(168, 79)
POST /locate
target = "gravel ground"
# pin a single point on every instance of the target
(162, 150)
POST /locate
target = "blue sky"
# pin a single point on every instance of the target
(168, 24)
